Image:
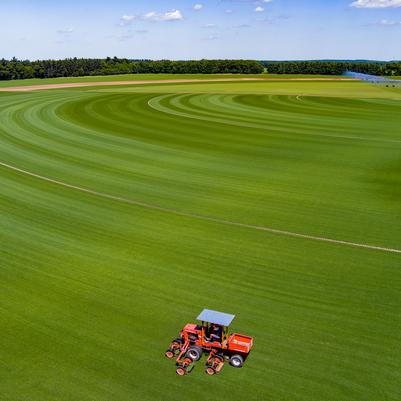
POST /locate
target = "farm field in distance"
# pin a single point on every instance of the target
(126, 210)
(150, 77)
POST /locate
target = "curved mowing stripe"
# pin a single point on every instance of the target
(193, 113)
(199, 216)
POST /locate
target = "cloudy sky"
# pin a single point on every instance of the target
(184, 29)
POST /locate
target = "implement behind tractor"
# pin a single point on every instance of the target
(212, 338)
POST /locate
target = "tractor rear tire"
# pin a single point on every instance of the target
(237, 361)
(195, 353)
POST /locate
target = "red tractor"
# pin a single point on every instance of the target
(211, 338)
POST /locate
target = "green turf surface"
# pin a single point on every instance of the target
(92, 288)
(348, 89)
(151, 77)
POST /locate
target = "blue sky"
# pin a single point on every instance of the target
(184, 29)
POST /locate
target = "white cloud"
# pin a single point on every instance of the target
(259, 9)
(67, 31)
(241, 26)
(151, 16)
(64, 35)
(211, 37)
(209, 26)
(127, 19)
(229, 11)
(376, 3)
(197, 7)
(174, 15)
(387, 22)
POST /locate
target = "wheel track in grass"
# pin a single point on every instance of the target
(199, 216)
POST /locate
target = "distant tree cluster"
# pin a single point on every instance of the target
(77, 67)
(331, 67)
(392, 69)
(74, 67)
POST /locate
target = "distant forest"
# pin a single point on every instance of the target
(76, 67)
(332, 67)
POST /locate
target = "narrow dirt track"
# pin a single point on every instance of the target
(159, 81)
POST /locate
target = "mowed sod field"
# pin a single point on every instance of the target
(153, 77)
(120, 219)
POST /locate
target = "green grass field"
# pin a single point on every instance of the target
(138, 77)
(140, 229)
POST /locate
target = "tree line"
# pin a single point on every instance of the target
(332, 67)
(76, 67)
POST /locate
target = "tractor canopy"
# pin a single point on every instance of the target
(220, 318)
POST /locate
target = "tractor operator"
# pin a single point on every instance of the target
(215, 333)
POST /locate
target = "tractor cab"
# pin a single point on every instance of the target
(214, 327)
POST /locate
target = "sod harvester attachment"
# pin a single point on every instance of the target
(212, 338)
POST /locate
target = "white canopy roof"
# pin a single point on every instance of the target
(211, 316)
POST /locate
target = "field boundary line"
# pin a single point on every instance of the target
(200, 216)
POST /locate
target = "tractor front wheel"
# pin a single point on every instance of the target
(195, 353)
(237, 361)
